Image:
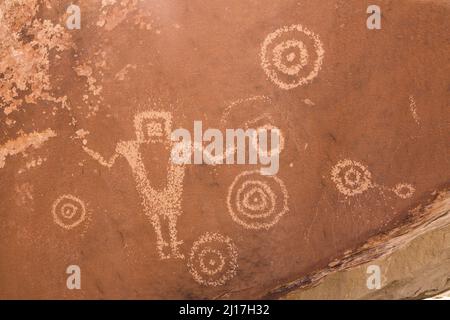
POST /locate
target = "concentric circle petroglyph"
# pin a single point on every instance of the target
(292, 56)
(257, 113)
(256, 105)
(68, 211)
(404, 190)
(351, 177)
(213, 260)
(256, 201)
(269, 128)
(279, 52)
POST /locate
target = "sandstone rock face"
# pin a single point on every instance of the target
(430, 275)
(417, 271)
(87, 177)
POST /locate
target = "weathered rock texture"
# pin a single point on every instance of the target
(85, 172)
(414, 261)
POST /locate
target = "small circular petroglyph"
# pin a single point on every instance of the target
(292, 56)
(213, 260)
(351, 177)
(279, 55)
(404, 190)
(68, 211)
(256, 201)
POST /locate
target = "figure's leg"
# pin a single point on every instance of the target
(174, 191)
(160, 243)
(174, 243)
(147, 193)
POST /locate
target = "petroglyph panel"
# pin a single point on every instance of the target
(87, 114)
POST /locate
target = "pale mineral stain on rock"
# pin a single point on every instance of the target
(23, 142)
(94, 98)
(25, 54)
(413, 109)
(81, 133)
(24, 194)
(120, 76)
(309, 102)
(33, 163)
(113, 13)
(85, 70)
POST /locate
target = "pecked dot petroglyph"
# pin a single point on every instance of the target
(352, 178)
(97, 156)
(213, 260)
(153, 127)
(253, 112)
(256, 100)
(256, 201)
(217, 150)
(68, 211)
(271, 128)
(257, 112)
(404, 190)
(292, 56)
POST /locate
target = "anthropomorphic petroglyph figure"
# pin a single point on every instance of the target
(153, 127)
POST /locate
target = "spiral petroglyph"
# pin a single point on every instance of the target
(292, 56)
(213, 260)
(68, 211)
(256, 201)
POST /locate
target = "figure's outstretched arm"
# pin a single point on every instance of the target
(96, 156)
